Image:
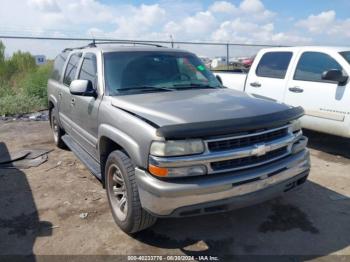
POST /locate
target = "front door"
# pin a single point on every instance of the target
(322, 100)
(85, 109)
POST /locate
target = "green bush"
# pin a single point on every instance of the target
(23, 62)
(35, 83)
(5, 90)
(19, 103)
(22, 83)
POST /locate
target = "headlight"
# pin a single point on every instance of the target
(177, 148)
(296, 125)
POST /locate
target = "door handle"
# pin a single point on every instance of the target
(73, 101)
(255, 84)
(296, 89)
(60, 96)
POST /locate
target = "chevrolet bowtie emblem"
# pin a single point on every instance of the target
(259, 150)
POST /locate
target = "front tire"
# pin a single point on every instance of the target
(123, 196)
(57, 131)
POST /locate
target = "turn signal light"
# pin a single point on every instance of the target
(158, 171)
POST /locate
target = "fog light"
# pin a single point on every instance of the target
(187, 171)
(177, 171)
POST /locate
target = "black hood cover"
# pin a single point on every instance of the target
(224, 127)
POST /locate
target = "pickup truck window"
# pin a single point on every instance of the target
(130, 72)
(58, 66)
(88, 69)
(346, 56)
(71, 68)
(311, 65)
(274, 64)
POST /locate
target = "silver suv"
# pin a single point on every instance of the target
(166, 138)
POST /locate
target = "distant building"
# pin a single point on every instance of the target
(206, 61)
(40, 59)
(218, 61)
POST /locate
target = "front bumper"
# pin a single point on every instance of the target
(221, 192)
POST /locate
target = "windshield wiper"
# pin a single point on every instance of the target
(144, 88)
(193, 86)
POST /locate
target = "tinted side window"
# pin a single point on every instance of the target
(88, 69)
(274, 64)
(311, 65)
(71, 69)
(58, 65)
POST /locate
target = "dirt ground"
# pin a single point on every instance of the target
(40, 210)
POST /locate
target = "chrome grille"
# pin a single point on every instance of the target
(245, 149)
(245, 141)
(248, 161)
(238, 152)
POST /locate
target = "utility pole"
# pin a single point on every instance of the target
(172, 41)
(227, 55)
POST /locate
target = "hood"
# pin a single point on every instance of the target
(192, 106)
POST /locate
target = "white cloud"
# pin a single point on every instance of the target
(49, 6)
(139, 21)
(249, 9)
(255, 9)
(249, 32)
(326, 23)
(196, 27)
(246, 21)
(87, 11)
(223, 7)
(253, 6)
(318, 23)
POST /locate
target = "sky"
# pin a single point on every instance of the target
(277, 22)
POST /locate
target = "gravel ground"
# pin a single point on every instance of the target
(58, 208)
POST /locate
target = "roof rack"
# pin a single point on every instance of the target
(94, 44)
(74, 48)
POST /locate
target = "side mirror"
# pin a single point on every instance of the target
(335, 75)
(219, 79)
(82, 88)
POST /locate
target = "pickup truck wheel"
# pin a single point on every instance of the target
(123, 195)
(56, 130)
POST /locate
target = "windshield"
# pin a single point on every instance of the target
(346, 55)
(138, 72)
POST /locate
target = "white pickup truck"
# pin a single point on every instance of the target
(315, 78)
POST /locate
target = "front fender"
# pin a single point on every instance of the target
(123, 140)
(53, 100)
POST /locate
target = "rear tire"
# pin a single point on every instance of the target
(123, 195)
(58, 132)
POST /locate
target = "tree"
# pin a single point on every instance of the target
(23, 62)
(2, 64)
(2, 53)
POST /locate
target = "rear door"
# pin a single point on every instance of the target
(85, 109)
(55, 86)
(322, 100)
(65, 97)
(267, 78)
